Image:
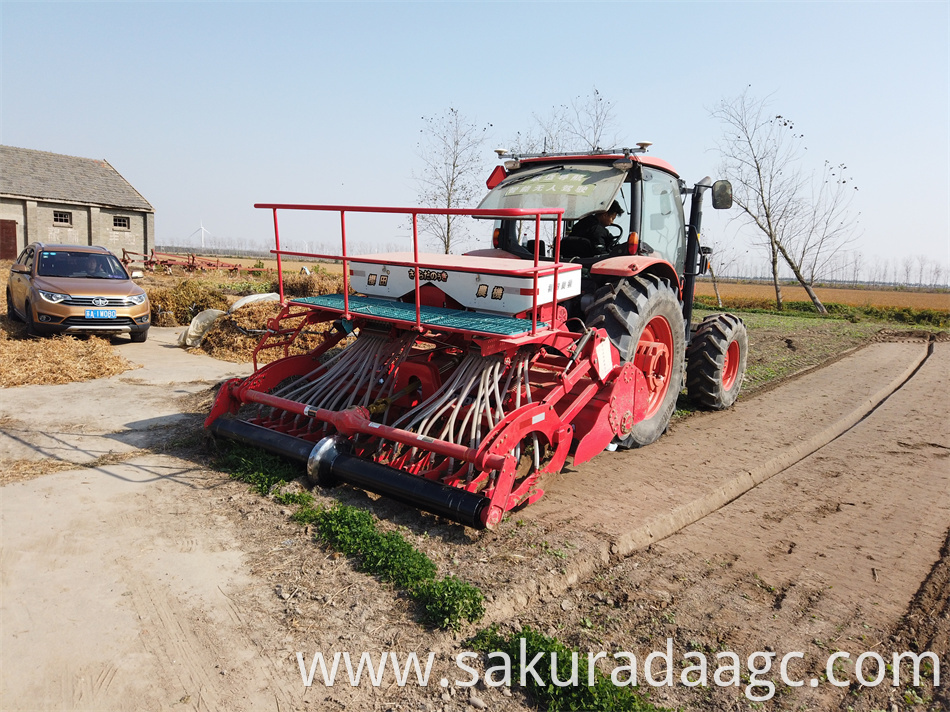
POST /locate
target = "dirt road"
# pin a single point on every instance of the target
(151, 583)
(823, 557)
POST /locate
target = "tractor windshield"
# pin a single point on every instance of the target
(579, 188)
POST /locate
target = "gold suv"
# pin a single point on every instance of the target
(75, 289)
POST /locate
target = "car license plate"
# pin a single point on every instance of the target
(100, 313)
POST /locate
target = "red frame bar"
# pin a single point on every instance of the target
(356, 420)
(536, 270)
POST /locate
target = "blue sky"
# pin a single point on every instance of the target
(207, 108)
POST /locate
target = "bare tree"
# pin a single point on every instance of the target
(907, 269)
(922, 261)
(857, 267)
(588, 122)
(801, 222)
(450, 150)
(936, 273)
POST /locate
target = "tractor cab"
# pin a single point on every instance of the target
(648, 190)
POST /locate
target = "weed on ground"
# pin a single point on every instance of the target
(444, 603)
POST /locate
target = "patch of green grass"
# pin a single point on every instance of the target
(258, 468)
(445, 603)
(387, 555)
(602, 695)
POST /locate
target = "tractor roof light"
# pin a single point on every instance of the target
(513, 165)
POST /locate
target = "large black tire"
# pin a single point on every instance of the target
(139, 337)
(628, 309)
(716, 361)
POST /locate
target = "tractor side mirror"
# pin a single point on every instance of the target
(704, 252)
(722, 195)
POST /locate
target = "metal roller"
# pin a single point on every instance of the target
(328, 463)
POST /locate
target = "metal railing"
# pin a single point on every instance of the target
(537, 270)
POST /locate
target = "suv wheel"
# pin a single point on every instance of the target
(11, 312)
(138, 337)
(30, 324)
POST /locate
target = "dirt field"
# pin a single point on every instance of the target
(852, 297)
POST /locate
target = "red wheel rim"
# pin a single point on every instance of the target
(655, 359)
(730, 366)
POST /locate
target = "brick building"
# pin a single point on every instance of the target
(48, 197)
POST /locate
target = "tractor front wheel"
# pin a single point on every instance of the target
(716, 361)
(643, 317)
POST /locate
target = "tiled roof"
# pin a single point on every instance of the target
(54, 177)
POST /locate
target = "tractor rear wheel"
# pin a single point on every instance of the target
(643, 317)
(716, 361)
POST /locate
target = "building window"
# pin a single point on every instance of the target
(120, 222)
(62, 218)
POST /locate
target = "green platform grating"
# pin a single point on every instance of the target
(434, 317)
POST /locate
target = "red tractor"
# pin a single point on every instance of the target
(467, 378)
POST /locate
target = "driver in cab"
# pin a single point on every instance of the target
(594, 230)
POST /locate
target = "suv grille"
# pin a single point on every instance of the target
(87, 302)
(83, 321)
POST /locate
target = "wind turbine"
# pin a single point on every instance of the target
(202, 230)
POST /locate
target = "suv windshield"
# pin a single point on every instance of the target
(579, 188)
(91, 265)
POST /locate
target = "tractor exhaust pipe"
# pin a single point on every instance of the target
(328, 464)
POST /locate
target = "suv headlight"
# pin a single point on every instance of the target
(53, 297)
(136, 298)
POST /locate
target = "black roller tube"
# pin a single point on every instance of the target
(278, 443)
(416, 491)
(327, 463)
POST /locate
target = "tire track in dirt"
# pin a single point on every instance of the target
(925, 626)
(142, 616)
(677, 481)
(822, 557)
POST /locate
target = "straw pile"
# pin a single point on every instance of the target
(52, 360)
(233, 337)
(178, 305)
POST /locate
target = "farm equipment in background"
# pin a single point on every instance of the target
(455, 383)
(189, 262)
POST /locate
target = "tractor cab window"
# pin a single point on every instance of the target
(663, 226)
(579, 188)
